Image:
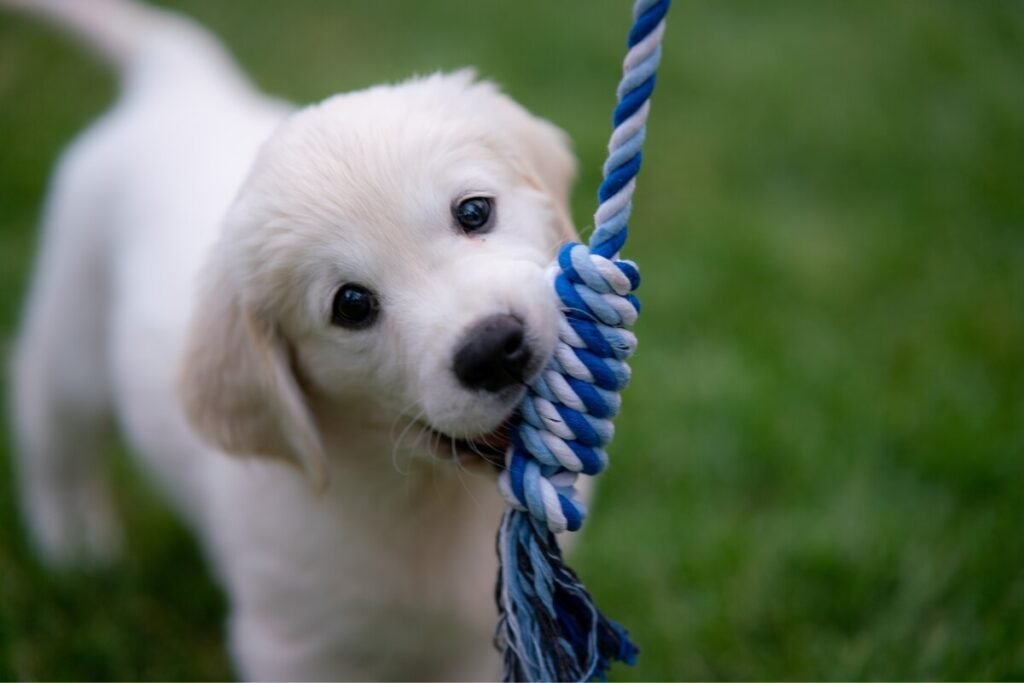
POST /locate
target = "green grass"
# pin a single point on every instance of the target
(819, 466)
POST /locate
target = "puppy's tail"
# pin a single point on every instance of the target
(138, 39)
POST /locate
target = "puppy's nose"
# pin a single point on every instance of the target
(493, 354)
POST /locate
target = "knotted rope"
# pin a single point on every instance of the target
(549, 628)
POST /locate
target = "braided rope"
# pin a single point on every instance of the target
(566, 416)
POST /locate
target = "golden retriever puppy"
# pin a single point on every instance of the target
(358, 288)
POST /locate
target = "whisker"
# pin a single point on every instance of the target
(586, 315)
(397, 444)
(459, 469)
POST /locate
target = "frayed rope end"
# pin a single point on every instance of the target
(549, 628)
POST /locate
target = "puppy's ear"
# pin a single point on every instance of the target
(549, 151)
(545, 150)
(238, 388)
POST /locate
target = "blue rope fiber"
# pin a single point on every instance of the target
(549, 628)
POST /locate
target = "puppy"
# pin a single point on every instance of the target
(357, 288)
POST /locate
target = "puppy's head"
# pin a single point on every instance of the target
(387, 254)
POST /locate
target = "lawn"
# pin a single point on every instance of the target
(818, 470)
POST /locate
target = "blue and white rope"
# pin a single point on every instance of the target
(566, 416)
(549, 628)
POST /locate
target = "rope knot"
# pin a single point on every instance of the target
(566, 416)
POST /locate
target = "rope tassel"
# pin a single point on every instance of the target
(550, 612)
(549, 628)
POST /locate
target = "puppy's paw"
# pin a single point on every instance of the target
(75, 530)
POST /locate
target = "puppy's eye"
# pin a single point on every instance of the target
(354, 307)
(473, 214)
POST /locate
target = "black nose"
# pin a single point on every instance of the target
(493, 354)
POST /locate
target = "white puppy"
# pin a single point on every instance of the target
(357, 288)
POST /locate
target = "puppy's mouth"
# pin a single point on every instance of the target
(485, 449)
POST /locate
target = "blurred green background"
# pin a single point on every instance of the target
(818, 472)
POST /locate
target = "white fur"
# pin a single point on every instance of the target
(194, 237)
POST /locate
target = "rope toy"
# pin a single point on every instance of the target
(548, 627)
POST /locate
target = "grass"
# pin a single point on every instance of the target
(818, 469)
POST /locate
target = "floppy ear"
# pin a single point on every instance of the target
(238, 388)
(546, 149)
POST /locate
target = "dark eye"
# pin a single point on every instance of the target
(354, 307)
(473, 214)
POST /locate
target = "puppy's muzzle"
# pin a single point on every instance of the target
(494, 354)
